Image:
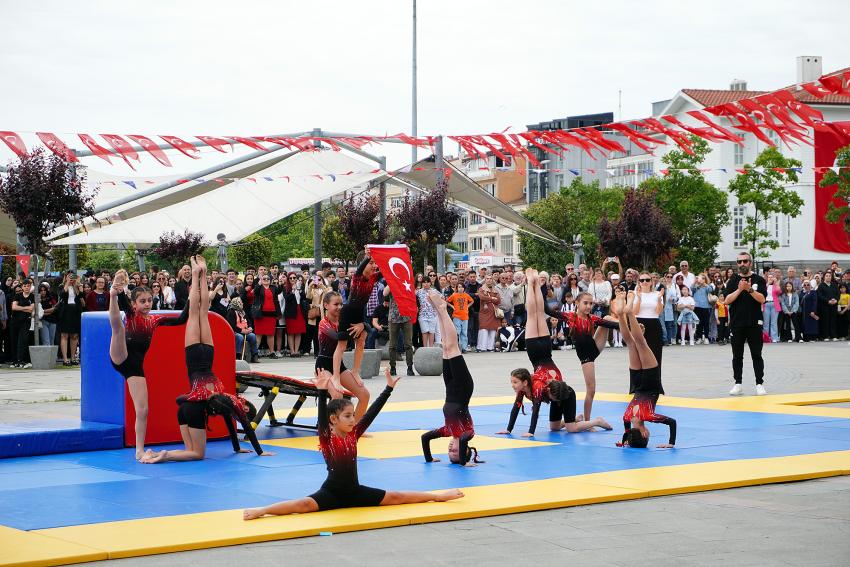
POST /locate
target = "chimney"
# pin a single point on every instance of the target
(809, 68)
(738, 85)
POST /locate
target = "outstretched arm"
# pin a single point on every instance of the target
(426, 443)
(668, 421)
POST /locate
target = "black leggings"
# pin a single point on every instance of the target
(751, 336)
(21, 341)
(704, 313)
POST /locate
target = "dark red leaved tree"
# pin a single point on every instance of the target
(176, 248)
(428, 218)
(358, 219)
(641, 235)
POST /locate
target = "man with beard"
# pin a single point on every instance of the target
(745, 296)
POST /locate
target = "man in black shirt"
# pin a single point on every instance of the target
(745, 295)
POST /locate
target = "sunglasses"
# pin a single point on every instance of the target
(293, 278)
(744, 261)
(645, 279)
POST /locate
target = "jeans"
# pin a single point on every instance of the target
(747, 336)
(407, 330)
(48, 333)
(663, 330)
(460, 327)
(252, 342)
(670, 329)
(771, 321)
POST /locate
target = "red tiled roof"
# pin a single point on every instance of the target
(709, 97)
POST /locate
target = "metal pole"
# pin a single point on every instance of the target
(382, 195)
(413, 108)
(317, 219)
(441, 175)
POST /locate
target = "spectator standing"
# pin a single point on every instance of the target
(687, 316)
(267, 306)
(98, 298)
(181, 288)
(721, 315)
(688, 277)
(745, 296)
(296, 324)
(671, 296)
(811, 323)
(70, 318)
(400, 323)
(23, 304)
(427, 317)
(488, 323)
(506, 297)
(789, 306)
(519, 290)
(843, 319)
(601, 291)
(471, 287)
(376, 299)
(48, 320)
(648, 311)
(828, 304)
(700, 291)
(316, 291)
(772, 308)
(460, 302)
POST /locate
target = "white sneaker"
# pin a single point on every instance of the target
(760, 391)
(801, 341)
(692, 342)
(737, 390)
(704, 341)
(682, 342)
(27, 365)
(789, 341)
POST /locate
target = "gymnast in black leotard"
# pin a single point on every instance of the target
(645, 374)
(459, 386)
(329, 338)
(338, 435)
(130, 342)
(546, 383)
(207, 396)
(589, 334)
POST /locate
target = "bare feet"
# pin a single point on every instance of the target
(580, 417)
(531, 276)
(152, 458)
(619, 302)
(253, 514)
(453, 494)
(630, 302)
(603, 424)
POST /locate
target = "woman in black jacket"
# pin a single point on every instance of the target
(266, 310)
(295, 313)
(828, 303)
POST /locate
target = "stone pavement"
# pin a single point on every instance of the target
(787, 524)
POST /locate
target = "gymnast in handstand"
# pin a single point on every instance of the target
(459, 386)
(338, 435)
(351, 321)
(207, 397)
(645, 375)
(130, 342)
(546, 384)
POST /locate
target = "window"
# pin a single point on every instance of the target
(786, 237)
(462, 221)
(395, 202)
(507, 244)
(461, 247)
(491, 188)
(739, 154)
(503, 163)
(475, 243)
(475, 218)
(738, 219)
(489, 243)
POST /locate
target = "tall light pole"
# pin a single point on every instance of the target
(413, 107)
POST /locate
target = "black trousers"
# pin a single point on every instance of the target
(786, 322)
(751, 336)
(829, 317)
(704, 313)
(21, 342)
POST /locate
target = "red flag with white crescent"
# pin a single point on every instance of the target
(122, 147)
(394, 262)
(96, 148)
(152, 148)
(57, 146)
(15, 143)
(24, 261)
(215, 143)
(181, 146)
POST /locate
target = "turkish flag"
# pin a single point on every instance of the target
(96, 148)
(181, 146)
(122, 147)
(15, 143)
(152, 148)
(57, 146)
(394, 262)
(24, 261)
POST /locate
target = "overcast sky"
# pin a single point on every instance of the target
(251, 68)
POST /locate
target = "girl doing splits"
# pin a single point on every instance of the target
(338, 435)
(546, 384)
(207, 396)
(459, 386)
(645, 375)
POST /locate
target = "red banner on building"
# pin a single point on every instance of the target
(394, 263)
(828, 236)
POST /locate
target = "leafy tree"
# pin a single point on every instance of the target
(41, 193)
(8, 267)
(842, 191)
(335, 244)
(428, 219)
(175, 249)
(576, 209)
(641, 235)
(358, 219)
(765, 186)
(291, 237)
(61, 261)
(696, 208)
(255, 249)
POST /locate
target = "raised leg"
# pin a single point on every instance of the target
(634, 357)
(448, 332)
(203, 316)
(647, 357)
(535, 326)
(193, 328)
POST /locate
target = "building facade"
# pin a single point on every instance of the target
(795, 235)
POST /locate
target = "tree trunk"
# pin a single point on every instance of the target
(36, 303)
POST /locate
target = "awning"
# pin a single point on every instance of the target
(464, 190)
(239, 208)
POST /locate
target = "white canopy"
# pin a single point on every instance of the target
(239, 208)
(463, 189)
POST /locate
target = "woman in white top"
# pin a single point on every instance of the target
(649, 305)
(601, 291)
(169, 299)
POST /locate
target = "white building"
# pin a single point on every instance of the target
(795, 235)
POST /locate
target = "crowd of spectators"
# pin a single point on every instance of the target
(275, 313)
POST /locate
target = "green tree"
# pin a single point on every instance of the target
(576, 209)
(765, 187)
(842, 191)
(105, 258)
(255, 249)
(697, 209)
(291, 237)
(335, 244)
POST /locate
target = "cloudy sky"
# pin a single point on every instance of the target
(249, 68)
